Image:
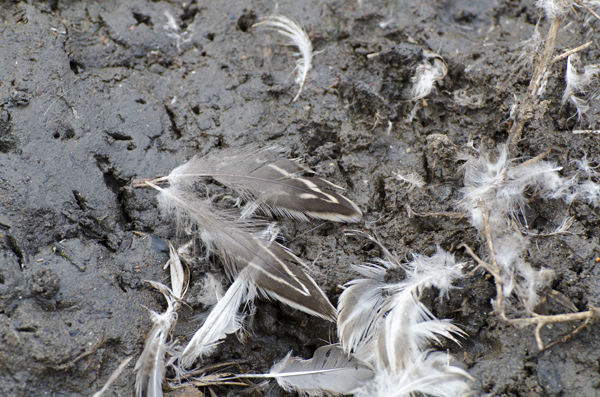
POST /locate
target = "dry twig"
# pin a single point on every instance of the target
(525, 111)
(572, 51)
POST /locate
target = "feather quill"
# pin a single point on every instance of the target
(328, 372)
(297, 37)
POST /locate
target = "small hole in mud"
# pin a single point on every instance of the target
(246, 21)
(56, 135)
(69, 133)
(76, 67)
(203, 54)
(210, 36)
(141, 18)
(141, 101)
(196, 109)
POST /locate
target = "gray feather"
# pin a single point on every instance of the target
(328, 372)
(271, 184)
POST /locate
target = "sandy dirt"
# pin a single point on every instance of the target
(96, 94)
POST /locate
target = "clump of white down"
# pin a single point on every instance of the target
(499, 186)
(579, 82)
(554, 8)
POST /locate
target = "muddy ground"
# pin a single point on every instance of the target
(96, 94)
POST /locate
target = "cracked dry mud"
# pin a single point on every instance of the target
(96, 94)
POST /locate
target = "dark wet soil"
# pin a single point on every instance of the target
(96, 94)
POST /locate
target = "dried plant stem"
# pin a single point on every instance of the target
(582, 4)
(535, 159)
(566, 54)
(524, 111)
(90, 350)
(586, 132)
(499, 309)
(568, 336)
(538, 320)
(499, 306)
(456, 215)
(148, 182)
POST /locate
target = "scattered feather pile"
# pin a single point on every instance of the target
(384, 333)
(394, 328)
(150, 367)
(579, 81)
(253, 260)
(432, 69)
(385, 325)
(496, 184)
(296, 36)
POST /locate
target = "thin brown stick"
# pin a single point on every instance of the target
(535, 159)
(92, 349)
(112, 377)
(480, 262)
(569, 335)
(147, 182)
(456, 215)
(499, 304)
(592, 314)
(582, 4)
(538, 337)
(524, 111)
(571, 52)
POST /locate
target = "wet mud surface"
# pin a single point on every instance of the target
(96, 94)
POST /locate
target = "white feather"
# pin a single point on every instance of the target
(328, 372)
(296, 36)
(413, 179)
(407, 330)
(359, 309)
(385, 324)
(579, 84)
(212, 290)
(501, 185)
(225, 318)
(150, 367)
